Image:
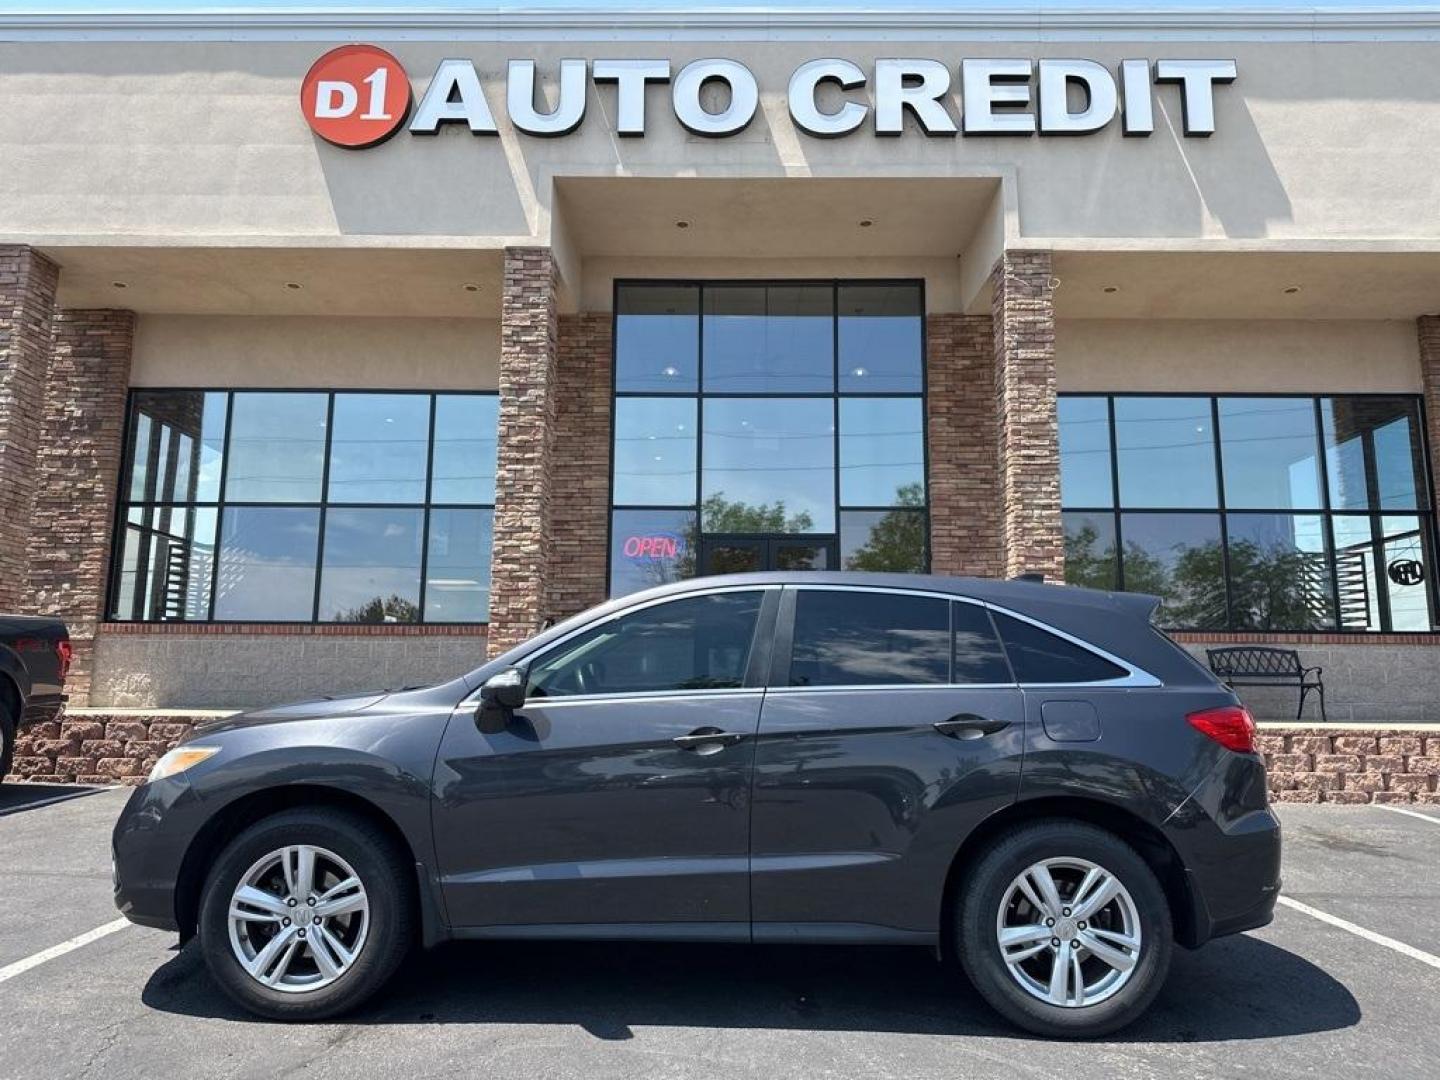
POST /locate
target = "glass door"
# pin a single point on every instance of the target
(746, 553)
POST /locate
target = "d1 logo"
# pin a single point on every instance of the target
(355, 96)
(1406, 571)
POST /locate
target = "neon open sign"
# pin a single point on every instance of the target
(653, 546)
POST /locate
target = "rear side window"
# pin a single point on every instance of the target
(1039, 656)
(978, 656)
(869, 639)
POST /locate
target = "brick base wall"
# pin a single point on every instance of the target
(1352, 765)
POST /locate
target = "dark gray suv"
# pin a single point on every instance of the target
(1029, 777)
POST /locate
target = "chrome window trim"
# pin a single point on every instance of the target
(630, 609)
(851, 688)
(642, 695)
(1134, 677)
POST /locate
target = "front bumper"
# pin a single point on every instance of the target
(148, 848)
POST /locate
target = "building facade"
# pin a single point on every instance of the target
(338, 351)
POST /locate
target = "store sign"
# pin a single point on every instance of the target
(359, 95)
(652, 546)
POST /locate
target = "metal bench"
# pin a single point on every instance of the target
(1257, 665)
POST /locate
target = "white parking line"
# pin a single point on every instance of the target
(19, 967)
(67, 797)
(1408, 813)
(1360, 931)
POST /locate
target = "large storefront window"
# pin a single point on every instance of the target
(1252, 513)
(767, 426)
(300, 506)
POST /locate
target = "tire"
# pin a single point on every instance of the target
(7, 737)
(992, 900)
(343, 846)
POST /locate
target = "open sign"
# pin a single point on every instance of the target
(653, 546)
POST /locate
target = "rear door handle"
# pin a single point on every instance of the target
(708, 740)
(970, 726)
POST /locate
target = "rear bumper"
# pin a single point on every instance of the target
(1232, 875)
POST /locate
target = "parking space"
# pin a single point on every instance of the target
(1298, 998)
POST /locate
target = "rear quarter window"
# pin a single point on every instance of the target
(1039, 656)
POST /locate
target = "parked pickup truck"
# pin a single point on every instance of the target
(34, 660)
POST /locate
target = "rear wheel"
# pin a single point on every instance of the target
(1064, 929)
(306, 914)
(7, 736)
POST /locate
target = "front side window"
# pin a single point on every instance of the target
(697, 643)
(761, 425)
(1258, 512)
(281, 506)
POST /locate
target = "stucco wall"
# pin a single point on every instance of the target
(200, 670)
(1210, 355)
(205, 139)
(1379, 684)
(306, 351)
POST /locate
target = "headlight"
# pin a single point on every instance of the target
(180, 759)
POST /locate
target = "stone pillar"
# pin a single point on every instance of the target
(581, 516)
(27, 301)
(77, 476)
(1429, 329)
(1023, 309)
(964, 446)
(522, 559)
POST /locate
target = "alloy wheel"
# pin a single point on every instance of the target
(1069, 932)
(298, 919)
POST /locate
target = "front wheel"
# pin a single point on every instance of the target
(1064, 929)
(306, 914)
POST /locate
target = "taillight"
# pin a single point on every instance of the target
(65, 652)
(1231, 726)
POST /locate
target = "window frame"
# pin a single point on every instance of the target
(1425, 513)
(700, 395)
(219, 504)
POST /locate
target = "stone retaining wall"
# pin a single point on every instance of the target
(1365, 764)
(88, 747)
(1311, 764)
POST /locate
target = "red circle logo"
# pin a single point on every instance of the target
(355, 96)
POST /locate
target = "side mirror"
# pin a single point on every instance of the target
(503, 693)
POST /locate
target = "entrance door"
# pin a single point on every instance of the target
(743, 553)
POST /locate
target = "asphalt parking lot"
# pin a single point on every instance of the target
(1303, 997)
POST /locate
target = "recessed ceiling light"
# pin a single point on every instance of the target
(866, 223)
(470, 286)
(293, 285)
(682, 224)
(1111, 289)
(119, 284)
(859, 372)
(1290, 290)
(670, 372)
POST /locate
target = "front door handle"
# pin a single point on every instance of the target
(970, 726)
(708, 740)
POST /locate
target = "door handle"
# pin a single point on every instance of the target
(712, 738)
(970, 726)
